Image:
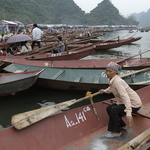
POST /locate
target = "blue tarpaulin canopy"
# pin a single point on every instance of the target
(2, 26)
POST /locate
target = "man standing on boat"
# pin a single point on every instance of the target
(128, 102)
(37, 35)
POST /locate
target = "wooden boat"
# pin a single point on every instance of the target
(74, 54)
(86, 39)
(11, 83)
(126, 63)
(134, 39)
(107, 44)
(79, 129)
(81, 79)
(110, 45)
(4, 44)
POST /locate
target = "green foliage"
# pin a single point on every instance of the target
(60, 12)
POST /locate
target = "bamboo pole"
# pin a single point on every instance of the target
(131, 56)
(141, 83)
(135, 72)
(136, 142)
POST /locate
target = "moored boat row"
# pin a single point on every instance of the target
(81, 79)
(79, 128)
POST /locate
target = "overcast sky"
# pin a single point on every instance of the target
(125, 7)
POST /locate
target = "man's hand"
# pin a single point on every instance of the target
(130, 121)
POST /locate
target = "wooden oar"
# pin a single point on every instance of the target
(40, 49)
(26, 119)
(135, 72)
(131, 56)
(44, 51)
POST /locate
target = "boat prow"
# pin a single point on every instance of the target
(11, 83)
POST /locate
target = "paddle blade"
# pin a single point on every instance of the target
(23, 120)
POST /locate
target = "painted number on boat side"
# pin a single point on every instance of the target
(79, 117)
(103, 75)
(147, 75)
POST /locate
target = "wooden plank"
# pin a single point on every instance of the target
(78, 79)
(96, 79)
(58, 74)
(137, 142)
(144, 113)
(134, 79)
(135, 72)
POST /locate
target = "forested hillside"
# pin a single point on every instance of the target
(45, 11)
(60, 12)
(106, 13)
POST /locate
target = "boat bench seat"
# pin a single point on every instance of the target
(58, 74)
(96, 79)
(78, 79)
(144, 112)
(134, 80)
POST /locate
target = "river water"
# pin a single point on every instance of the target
(37, 97)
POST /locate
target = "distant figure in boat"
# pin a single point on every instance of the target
(9, 52)
(128, 102)
(2, 37)
(3, 51)
(60, 46)
(37, 35)
(118, 39)
(15, 49)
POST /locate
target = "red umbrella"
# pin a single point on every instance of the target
(18, 38)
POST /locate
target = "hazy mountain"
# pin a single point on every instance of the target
(143, 18)
(106, 13)
(60, 12)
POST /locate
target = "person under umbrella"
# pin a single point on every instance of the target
(9, 52)
(25, 47)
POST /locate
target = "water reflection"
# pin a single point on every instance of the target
(110, 54)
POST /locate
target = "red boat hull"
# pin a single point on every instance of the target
(84, 63)
(71, 55)
(16, 82)
(110, 45)
(76, 129)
